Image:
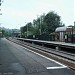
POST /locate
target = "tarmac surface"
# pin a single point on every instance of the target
(17, 60)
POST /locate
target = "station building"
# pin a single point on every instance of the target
(63, 34)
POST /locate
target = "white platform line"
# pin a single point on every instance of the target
(48, 58)
(56, 67)
(45, 57)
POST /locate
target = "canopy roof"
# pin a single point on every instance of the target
(60, 29)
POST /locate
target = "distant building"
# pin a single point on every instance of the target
(16, 33)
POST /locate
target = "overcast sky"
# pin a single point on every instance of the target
(16, 13)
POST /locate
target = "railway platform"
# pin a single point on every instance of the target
(18, 60)
(70, 47)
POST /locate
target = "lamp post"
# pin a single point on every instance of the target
(27, 30)
(72, 35)
(40, 23)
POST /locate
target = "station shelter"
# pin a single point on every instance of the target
(64, 34)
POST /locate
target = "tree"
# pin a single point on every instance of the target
(29, 28)
(3, 32)
(23, 31)
(26, 30)
(52, 20)
(44, 24)
(39, 25)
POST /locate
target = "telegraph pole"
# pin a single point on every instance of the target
(39, 23)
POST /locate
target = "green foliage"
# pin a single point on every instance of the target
(39, 25)
(6, 33)
(44, 24)
(0, 30)
(52, 21)
(3, 33)
(27, 29)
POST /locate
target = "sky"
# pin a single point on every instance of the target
(16, 13)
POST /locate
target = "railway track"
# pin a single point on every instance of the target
(61, 56)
